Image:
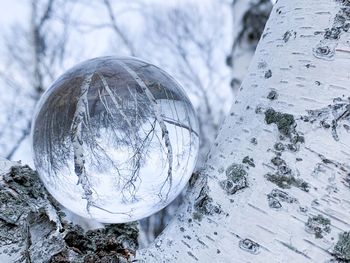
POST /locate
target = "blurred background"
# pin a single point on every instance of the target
(205, 44)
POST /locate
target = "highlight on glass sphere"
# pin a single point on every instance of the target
(115, 139)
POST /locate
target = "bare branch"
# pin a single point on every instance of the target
(47, 13)
(117, 30)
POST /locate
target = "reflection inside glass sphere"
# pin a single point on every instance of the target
(115, 139)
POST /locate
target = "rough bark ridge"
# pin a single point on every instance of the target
(34, 229)
(276, 186)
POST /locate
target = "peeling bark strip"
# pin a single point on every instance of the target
(297, 205)
(34, 229)
(81, 119)
(161, 122)
(335, 117)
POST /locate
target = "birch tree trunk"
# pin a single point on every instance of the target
(276, 186)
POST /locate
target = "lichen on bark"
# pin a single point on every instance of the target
(248, 161)
(236, 178)
(285, 122)
(318, 225)
(342, 247)
(276, 197)
(284, 177)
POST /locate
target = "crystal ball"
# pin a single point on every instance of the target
(115, 139)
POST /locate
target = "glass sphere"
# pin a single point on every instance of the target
(115, 139)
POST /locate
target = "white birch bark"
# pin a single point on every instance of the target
(276, 186)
